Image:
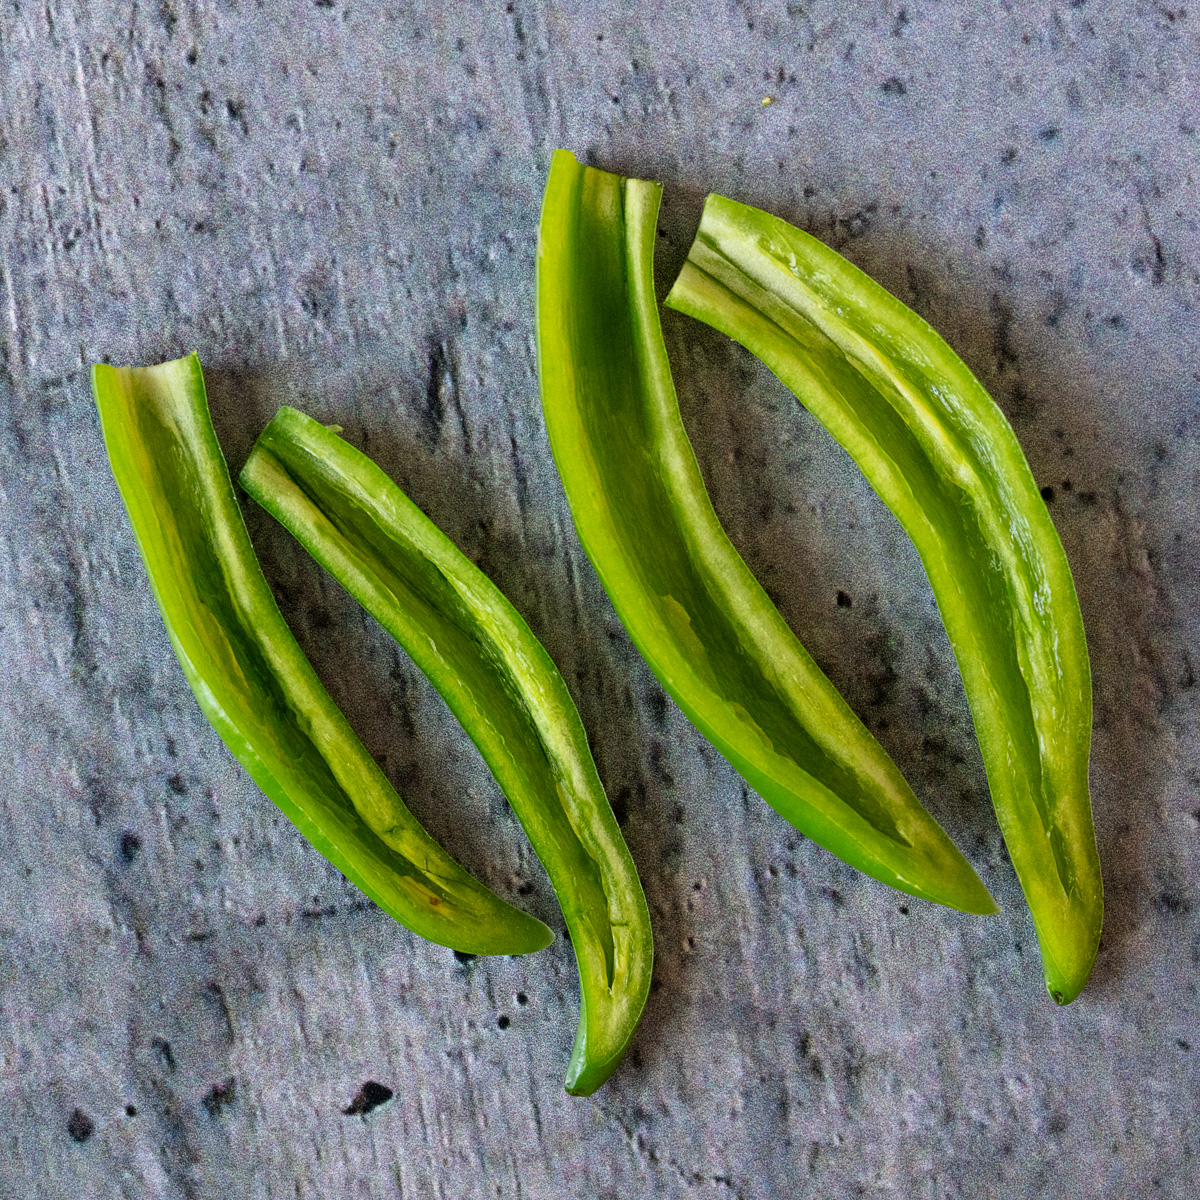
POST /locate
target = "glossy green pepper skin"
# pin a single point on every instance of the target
(253, 681)
(501, 685)
(690, 604)
(943, 458)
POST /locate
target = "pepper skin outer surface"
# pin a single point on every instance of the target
(253, 681)
(501, 685)
(944, 459)
(696, 613)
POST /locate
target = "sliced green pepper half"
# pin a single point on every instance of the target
(692, 607)
(941, 455)
(253, 681)
(502, 686)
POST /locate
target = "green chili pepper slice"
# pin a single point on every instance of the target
(499, 682)
(252, 680)
(692, 607)
(941, 455)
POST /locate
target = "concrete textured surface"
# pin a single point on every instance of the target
(336, 204)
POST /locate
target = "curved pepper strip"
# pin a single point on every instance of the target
(501, 685)
(700, 619)
(253, 681)
(943, 458)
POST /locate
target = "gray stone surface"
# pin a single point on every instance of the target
(336, 205)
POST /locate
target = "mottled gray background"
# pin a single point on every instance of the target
(336, 204)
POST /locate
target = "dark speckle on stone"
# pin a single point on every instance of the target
(130, 845)
(1048, 493)
(502, 1022)
(522, 998)
(370, 1096)
(463, 957)
(844, 600)
(220, 1096)
(1048, 134)
(163, 1049)
(620, 804)
(318, 294)
(656, 699)
(855, 225)
(131, 1110)
(437, 381)
(893, 87)
(80, 1126)
(1171, 903)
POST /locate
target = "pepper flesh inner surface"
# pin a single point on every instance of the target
(501, 685)
(253, 681)
(943, 458)
(692, 607)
